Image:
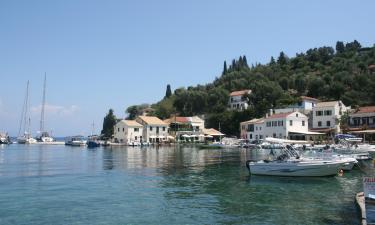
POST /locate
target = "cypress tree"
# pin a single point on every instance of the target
(225, 70)
(168, 92)
(244, 61)
(108, 124)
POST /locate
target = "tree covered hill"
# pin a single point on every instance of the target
(340, 73)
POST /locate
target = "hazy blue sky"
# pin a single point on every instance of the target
(112, 54)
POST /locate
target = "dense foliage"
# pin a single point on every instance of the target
(108, 124)
(326, 73)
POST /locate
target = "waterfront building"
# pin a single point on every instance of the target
(252, 129)
(289, 125)
(128, 131)
(238, 100)
(182, 127)
(326, 117)
(362, 118)
(154, 129)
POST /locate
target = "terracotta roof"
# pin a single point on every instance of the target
(212, 132)
(240, 93)
(309, 98)
(326, 104)
(131, 123)
(152, 120)
(279, 115)
(366, 109)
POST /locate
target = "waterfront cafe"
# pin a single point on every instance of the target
(212, 134)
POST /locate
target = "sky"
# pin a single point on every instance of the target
(112, 54)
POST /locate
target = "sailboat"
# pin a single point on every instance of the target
(93, 140)
(26, 137)
(44, 136)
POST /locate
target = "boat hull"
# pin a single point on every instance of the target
(294, 169)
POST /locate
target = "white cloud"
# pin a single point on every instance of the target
(56, 110)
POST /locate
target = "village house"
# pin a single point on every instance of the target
(128, 131)
(326, 117)
(252, 130)
(154, 129)
(238, 100)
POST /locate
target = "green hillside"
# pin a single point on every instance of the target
(326, 73)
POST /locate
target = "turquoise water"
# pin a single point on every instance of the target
(167, 185)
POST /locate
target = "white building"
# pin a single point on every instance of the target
(291, 125)
(128, 131)
(238, 100)
(305, 105)
(253, 129)
(326, 117)
(197, 123)
(154, 129)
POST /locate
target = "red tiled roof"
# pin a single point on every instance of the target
(366, 109)
(279, 115)
(239, 93)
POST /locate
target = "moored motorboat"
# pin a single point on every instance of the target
(93, 141)
(294, 168)
(75, 141)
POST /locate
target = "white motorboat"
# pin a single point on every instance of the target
(290, 163)
(294, 168)
(75, 141)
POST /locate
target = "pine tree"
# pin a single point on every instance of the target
(340, 47)
(272, 62)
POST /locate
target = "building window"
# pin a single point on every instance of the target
(150, 128)
(268, 124)
(303, 123)
(123, 129)
(280, 123)
(256, 137)
(251, 136)
(274, 123)
(319, 123)
(136, 130)
(135, 137)
(274, 135)
(290, 122)
(327, 112)
(296, 114)
(118, 129)
(328, 123)
(261, 136)
(256, 128)
(280, 135)
(250, 127)
(163, 128)
(319, 113)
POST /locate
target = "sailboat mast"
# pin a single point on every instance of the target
(43, 105)
(24, 112)
(25, 120)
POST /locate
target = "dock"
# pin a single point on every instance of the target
(367, 209)
(50, 143)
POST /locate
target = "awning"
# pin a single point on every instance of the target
(209, 136)
(152, 136)
(363, 132)
(185, 136)
(161, 137)
(307, 132)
